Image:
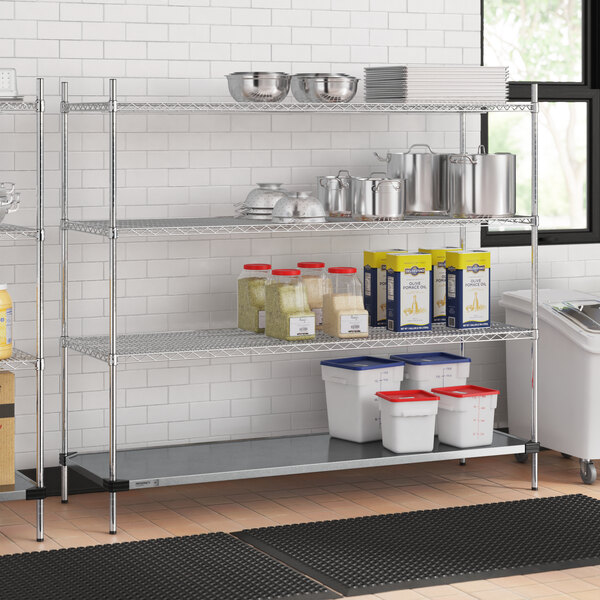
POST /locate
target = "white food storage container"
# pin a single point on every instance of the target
(466, 415)
(350, 387)
(408, 420)
(427, 370)
(569, 364)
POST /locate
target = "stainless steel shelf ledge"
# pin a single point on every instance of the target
(229, 225)
(19, 361)
(223, 343)
(289, 107)
(18, 491)
(266, 457)
(17, 232)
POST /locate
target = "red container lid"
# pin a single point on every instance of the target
(408, 396)
(344, 270)
(286, 272)
(465, 391)
(257, 267)
(311, 265)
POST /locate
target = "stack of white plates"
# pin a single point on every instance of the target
(436, 84)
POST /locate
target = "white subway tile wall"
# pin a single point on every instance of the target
(201, 165)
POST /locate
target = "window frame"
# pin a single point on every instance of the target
(586, 91)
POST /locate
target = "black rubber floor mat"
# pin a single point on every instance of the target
(422, 548)
(214, 566)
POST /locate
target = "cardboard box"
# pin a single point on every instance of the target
(7, 428)
(409, 292)
(375, 285)
(468, 289)
(438, 263)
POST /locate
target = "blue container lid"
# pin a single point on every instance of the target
(362, 363)
(431, 358)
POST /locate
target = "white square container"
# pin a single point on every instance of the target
(350, 387)
(408, 420)
(428, 370)
(466, 415)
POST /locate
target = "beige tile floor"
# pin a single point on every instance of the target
(231, 506)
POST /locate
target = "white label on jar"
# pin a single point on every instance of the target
(318, 315)
(302, 326)
(261, 319)
(354, 323)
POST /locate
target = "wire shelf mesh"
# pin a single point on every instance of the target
(18, 361)
(17, 107)
(288, 107)
(228, 343)
(229, 225)
(16, 232)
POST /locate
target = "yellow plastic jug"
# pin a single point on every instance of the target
(6, 323)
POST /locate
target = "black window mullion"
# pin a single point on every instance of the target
(589, 91)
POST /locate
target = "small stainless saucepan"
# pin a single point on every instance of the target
(377, 198)
(334, 194)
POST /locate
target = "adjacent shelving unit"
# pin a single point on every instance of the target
(194, 463)
(25, 488)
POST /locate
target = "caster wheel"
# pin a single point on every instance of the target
(565, 455)
(522, 458)
(587, 470)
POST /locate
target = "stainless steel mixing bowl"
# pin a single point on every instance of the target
(258, 86)
(298, 207)
(324, 87)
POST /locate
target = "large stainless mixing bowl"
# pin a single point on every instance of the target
(298, 207)
(324, 87)
(258, 86)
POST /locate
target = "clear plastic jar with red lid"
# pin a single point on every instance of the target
(288, 314)
(251, 297)
(344, 314)
(315, 280)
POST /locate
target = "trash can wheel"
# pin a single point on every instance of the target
(587, 470)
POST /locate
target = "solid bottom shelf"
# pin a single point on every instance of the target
(266, 457)
(18, 491)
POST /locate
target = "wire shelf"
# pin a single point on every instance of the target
(229, 225)
(228, 343)
(289, 107)
(19, 361)
(16, 232)
(17, 107)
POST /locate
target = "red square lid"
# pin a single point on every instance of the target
(407, 396)
(465, 391)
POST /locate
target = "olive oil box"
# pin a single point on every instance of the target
(375, 282)
(468, 289)
(409, 292)
(438, 268)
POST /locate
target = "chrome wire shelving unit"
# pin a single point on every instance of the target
(193, 463)
(25, 488)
